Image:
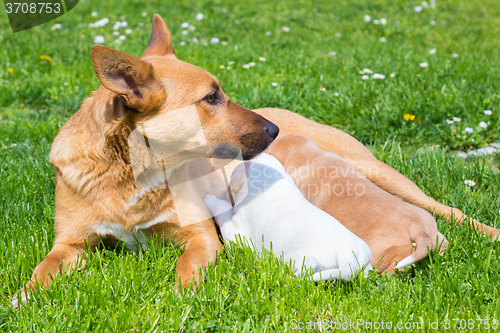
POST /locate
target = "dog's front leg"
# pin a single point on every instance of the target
(201, 248)
(62, 258)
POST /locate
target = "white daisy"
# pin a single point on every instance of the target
(183, 43)
(418, 9)
(367, 71)
(483, 124)
(246, 66)
(376, 21)
(144, 14)
(286, 29)
(454, 55)
(383, 21)
(469, 182)
(423, 64)
(251, 64)
(93, 14)
(469, 130)
(124, 24)
(194, 40)
(262, 59)
(56, 26)
(199, 16)
(214, 40)
(367, 18)
(332, 54)
(393, 75)
(432, 51)
(184, 32)
(115, 33)
(456, 119)
(487, 112)
(433, 22)
(192, 28)
(185, 25)
(322, 89)
(122, 37)
(336, 93)
(425, 4)
(378, 76)
(128, 31)
(365, 77)
(382, 39)
(274, 84)
(98, 39)
(449, 122)
(268, 33)
(223, 10)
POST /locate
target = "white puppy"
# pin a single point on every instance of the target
(271, 212)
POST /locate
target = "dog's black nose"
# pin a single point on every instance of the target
(272, 130)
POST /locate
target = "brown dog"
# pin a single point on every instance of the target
(392, 228)
(96, 191)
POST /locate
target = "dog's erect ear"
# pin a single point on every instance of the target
(129, 77)
(160, 43)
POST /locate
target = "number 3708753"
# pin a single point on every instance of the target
(32, 8)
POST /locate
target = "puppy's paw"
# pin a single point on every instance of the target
(216, 206)
(20, 297)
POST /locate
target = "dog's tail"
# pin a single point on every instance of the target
(423, 244)
(339, 273)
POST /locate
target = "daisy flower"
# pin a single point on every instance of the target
(383, 21)
(322, 89)
(382, 39)
(332, 54)
(376, 21)
(194, 40)
(367, 71)
(93, 14)
(456, 119)
(116, 33)
(262, 59)
(144, 14)
(128, 31)
(286, 29)
(192, 28)
(98, 39)
(487, 112)
(122, 37)
(378, 76)
(423, 64)
(274, 84)
(183, 43)
(393, 75)
(454, 55)
(251, 64)
(425, 4)
(246, 66)
(231, 63)
(418, 9)
(449, 122)
(184, 32)
(365, 77)
(56, 26)
(483, 124)
(268, 33)
(433, 22)
(432, 51)
(214, 40)
(199, 16)
(185, 25)
(223, 43)
(367, 18)
(469, 182)
(469, 130)
(221, 66)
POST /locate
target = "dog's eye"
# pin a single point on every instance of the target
(210, 98)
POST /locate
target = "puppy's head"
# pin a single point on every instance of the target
(177, 103)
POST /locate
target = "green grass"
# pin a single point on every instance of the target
(128, 291)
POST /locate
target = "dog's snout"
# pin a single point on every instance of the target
(272, 130)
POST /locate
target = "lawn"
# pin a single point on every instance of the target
(314, 51)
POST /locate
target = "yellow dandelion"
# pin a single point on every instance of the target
(46, 57)
(10, 70)
(224, 293)
(409, 117)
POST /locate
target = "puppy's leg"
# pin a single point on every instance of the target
(222, 211)
(200, 250)
(355, 153)
(63, 257)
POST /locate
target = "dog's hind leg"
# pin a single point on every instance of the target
(62, 258)
(356, 154)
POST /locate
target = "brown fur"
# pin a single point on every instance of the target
(386, 223)
(95, 182)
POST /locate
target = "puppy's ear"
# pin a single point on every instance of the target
(160, 43)
(129, 77)
(238, 177)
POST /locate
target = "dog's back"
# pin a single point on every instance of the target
(390, 226)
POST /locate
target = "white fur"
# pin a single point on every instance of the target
(275, 215)
(130, 238)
